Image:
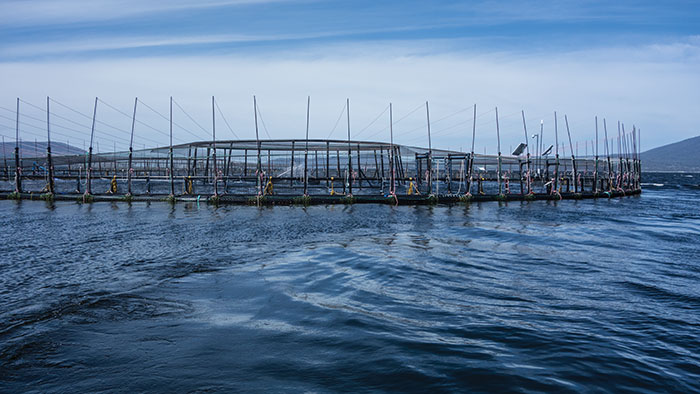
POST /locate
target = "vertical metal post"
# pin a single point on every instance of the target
(607, 154)
(619, 152)
(172, 183)
(4, 158)
(328, 162)
(245, 162)
(306, 149)
(391, 152)
(189, 160)
(430, 151)
(18, 170)
(291, 168)
(194, 162)
(347, 105)
(257, 139)
(228, 162)
(131, 150)
(556, 157)
(595, 172)
(527, 148)
(541, 141)
(498, 137)
(48, 148)
(359, 167)
(538, 162)
(573, 158)
(639, 152)
(337, 157)
(213, 136)
(471, 154)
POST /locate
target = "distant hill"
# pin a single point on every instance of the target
(683, 156)
(32, 149)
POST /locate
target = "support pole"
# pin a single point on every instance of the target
(4, 159)
(257, 140)
(48, 148)
(18, 170)
(538, 155)
(391, 152)
(639, 152)
(556, 157)
(172, 183)
(527, 148)
(359, 167)
(131, 150)
(573, 158)
(213, 136)
(595, 172)
(430, 151)
(328, 163)
(347, 104)
(619, 152)
(471, 154)
(498, 137)
(291, 168)
(228, 162)
(306, 149)
(337, 157)
(194, 161)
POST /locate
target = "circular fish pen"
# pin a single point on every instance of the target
(319, 172)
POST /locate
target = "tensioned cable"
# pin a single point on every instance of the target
(410, 113)
(113, 139)
(81, 133)
(35, 127)
(399, 120)
(225, 121)
(138, 121)
(438, 132)
(88, 117)
(372, 122)
(167, 119)
(191, 118)
(263, 121)
(441, 119)
(53, 114)
(337, 122)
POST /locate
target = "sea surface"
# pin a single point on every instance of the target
(569, 296)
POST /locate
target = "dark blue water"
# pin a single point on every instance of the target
(538, 296)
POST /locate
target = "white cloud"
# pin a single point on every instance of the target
(634, 85)
(35, 12)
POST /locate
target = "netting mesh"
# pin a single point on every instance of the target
(317, 167)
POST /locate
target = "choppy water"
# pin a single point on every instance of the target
(539, 296)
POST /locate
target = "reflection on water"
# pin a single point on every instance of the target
(571, 295)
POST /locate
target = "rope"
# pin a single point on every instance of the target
(399, 120)
(167, 119)
(340, 116)
(225, 121)
(138, 121)
(372, 122)
(263, 122)
(191, 118)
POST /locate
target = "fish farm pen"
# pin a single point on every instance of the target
(322, 171)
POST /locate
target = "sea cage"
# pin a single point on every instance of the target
(317, 167)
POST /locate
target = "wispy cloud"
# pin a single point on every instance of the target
(34, 12)
(637, 88)
(634, 61)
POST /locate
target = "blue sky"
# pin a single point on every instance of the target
(637, 62)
